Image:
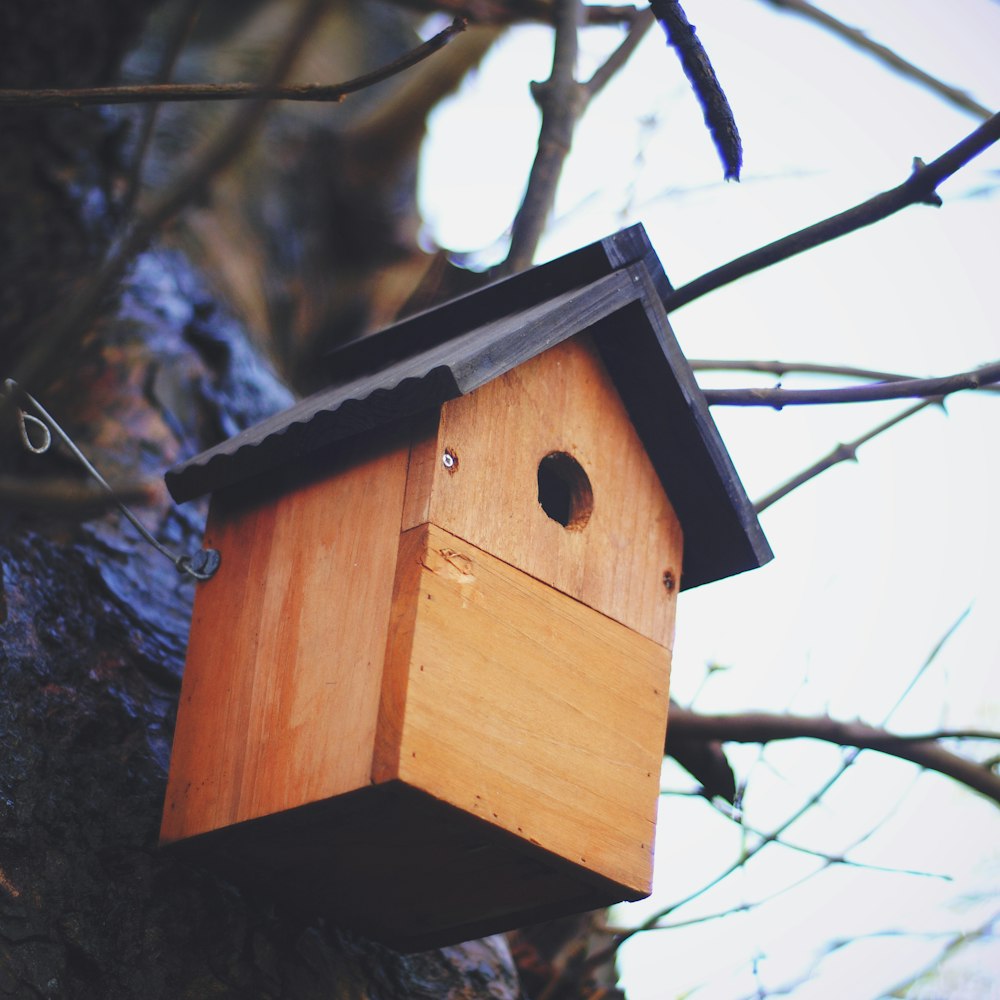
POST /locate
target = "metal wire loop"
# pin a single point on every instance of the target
(201, 566)
(26, 420)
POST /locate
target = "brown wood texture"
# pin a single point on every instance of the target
(523, 707)
(280, 694)
(562, 400)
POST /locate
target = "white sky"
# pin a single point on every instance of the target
(874, 561)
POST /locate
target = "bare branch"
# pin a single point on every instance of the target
(762, 727)
(65, 497)
(511, 11)
(783, 368)
(181, 92)
(640, 25)
(842, 453)
(653, 922)
(561, 99)
(183, 26)
(683, 39)
(885, 55)
(919, 188)
(831, 859)
(56, 331)
(813, 800)
(926, 665)
(899, 389)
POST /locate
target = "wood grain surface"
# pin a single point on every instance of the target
(280, 694)
(561, 401)
(518, 704)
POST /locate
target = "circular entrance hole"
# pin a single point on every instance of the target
(564, 491)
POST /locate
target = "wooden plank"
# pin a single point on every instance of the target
(280, 694)
(523, 707)
(420, 474)
(561, 401)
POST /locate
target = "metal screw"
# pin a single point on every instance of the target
(449, 460)
(669, 582)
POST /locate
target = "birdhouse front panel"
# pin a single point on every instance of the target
(543, 469)
(426, 690)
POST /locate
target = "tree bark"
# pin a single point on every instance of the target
(93, 623)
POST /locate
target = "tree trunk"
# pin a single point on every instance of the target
(94, 622)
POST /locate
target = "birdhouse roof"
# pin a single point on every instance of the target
(612, 290)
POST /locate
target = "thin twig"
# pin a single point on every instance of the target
(885, 55)
(913, 388)
(813, 800)
(929, 661)
(783, 368)
(55, 332)
(683, 39)
(272, 91)
(183, 26)
(919, 188)
(642, 23)
(499, 12)
(765, 727)
(653, 922)
(67, 497)
(831, 859)
(842, 453)
(562, 100)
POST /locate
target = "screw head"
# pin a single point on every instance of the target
(449, 460)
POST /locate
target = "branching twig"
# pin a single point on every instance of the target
(842, 453)
(782, 368)
(813, 800)
(831, 859)
(919, 188)
(219, 154)
(653, 922)
(681, 37)
(899, 389)
(763, 727)
(642, 23)
(271, 91)
(885, 55)
(54, 332)
(561, 99)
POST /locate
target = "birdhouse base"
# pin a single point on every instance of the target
(401, 867)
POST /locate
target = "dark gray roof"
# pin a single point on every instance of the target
(613, 291)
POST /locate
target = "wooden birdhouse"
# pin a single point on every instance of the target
(426, 691)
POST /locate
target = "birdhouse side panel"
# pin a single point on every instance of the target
(523, 707)
(280, 694)
(610, 537)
